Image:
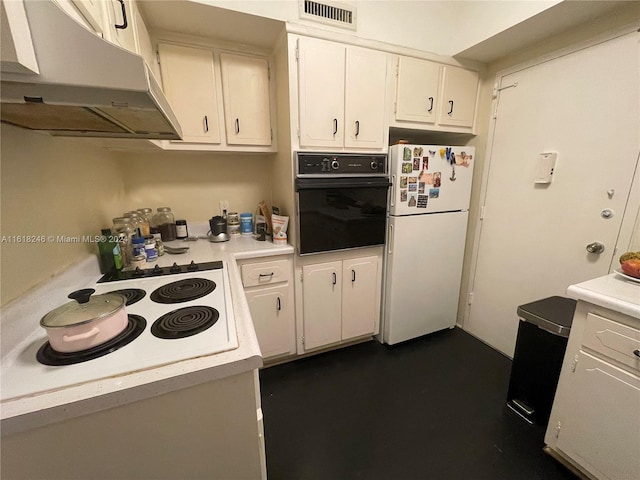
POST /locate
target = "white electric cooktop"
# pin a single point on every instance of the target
(22, 374)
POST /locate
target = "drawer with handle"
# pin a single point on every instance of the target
(265, 273)
(614, 340)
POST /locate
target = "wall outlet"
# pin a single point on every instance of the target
(224, 207)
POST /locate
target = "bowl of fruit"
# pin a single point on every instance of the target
(630, 266)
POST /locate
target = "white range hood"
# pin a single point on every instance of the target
(86, 86)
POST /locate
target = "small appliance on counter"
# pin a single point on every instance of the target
(218, 226)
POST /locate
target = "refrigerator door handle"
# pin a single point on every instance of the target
(390, 250)
(393, 190)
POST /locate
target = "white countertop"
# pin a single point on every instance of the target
(53, 406)
(612, 291)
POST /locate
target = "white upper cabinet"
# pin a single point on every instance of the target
(341, 95)
(321, 67)
(94, 12)
(189, 82)
(245, 87)
(417, 90)
(458, 96)
(434, 96)
(121, 25)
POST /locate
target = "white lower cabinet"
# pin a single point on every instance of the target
(341, 301)
(595, 420)
(269, 293)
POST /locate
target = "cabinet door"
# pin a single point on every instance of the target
(144, 43)
(188, 79)
(365, 86)
(93, 11)
(417, 90)
(600, 428)
(245, 86)
(273, 319)
(321, 296)
(121, 14)
(459, 97)
(360, 310)
(321, 67)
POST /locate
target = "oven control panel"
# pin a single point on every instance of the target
(341, 164)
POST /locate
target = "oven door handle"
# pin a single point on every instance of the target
(315, 183)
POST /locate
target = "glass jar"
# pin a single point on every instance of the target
(182, 231)
(159, 245)
(150, 249)
(123, 229)
(165, 222)
(145, 214)
(137, 244)
(233, 223)
(136, 222)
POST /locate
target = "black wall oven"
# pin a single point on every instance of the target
(341, 201)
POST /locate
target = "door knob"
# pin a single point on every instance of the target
(595, 247)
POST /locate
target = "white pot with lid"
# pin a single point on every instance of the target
(86, 322)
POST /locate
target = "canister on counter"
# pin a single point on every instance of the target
(150, 249)
(246, 223)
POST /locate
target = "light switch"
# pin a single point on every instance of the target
(546, 166)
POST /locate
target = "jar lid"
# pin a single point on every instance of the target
(83, 309)
(145, 210)
(122, 220)
(246, 215)
(164, 209)
(137, 240)
(132, 214)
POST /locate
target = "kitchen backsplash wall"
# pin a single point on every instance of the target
(193, 184)
(54, 191)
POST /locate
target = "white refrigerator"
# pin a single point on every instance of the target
(426, 230)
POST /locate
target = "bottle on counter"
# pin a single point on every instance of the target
(182, 231)
(233, 223)
(165, 224)
(110, 257)
(246, 223)
(123, 229)
(145, 215)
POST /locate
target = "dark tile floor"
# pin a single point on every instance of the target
(431, 408)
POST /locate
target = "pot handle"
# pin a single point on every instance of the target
(82, 296)
(81, 336)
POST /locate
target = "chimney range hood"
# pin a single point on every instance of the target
(86, 86)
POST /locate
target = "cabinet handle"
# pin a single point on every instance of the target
(353, 275)
(237, 126)
(393, 190)
(265, 275)
(124, 23)
(206, 124)
(430, 104)
(335, 126)
(450, 111)
(335, 278)
(636, 353)
(390, 250)
(357, 128)
(279, 304)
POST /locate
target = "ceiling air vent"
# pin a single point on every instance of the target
(339, 14)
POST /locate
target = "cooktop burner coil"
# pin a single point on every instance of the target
(131, 295)
(48, 356)
(184, 322)
(183, 290)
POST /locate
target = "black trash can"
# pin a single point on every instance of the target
(542, 340)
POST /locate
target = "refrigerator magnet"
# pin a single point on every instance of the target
(403, 182)
(417, 151)
(413, 187)
(407, 167)
(406, 154)
(416, 164)
(403, 195)
(412, 200)
(422, 201)
(425, 163)
(432, 153)
(427, 178)
(437, 179)
(443, 152)
(434, 192)
(421, 187)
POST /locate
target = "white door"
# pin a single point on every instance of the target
(321, 297)
(533, 239)
(245, 87)
(417, 90)
(360, 299)
(321, 67)
(365, 86)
